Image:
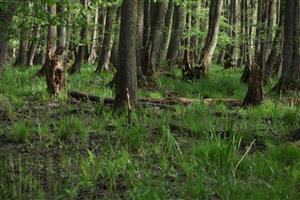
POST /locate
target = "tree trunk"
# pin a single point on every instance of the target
(62, 30)
(158, 21)
(5, 20)
(254, 94)
(103, 62)
(51, 38)
(94, 47)
(178, 28)
(231, 55)
(114, 59)
(276, 45)
(33, 45)
(126, 78)
(22, 55)
(81, 53)
(55, 75)
(140, 42)
(291, 53)
(211, 40)
(166, 33)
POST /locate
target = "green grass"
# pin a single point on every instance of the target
(51, 148)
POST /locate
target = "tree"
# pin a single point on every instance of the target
(6, 14)
(51, 37)
(126, 77)
(291, 52)
(81, 52)
(105, 53)
(178, 27)
(207, 51)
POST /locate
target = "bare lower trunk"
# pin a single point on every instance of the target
(166, 33)
(291, 51)
(158, 21)
(81, 53)
(103, 62)
(22, 54)
(33, 45)
(5, 20)
(55, 75)
(254, 94)
(126, 83)
(51, 39)
(276, 46)
(212, 37)
(93, 54)
(175, 41)
(211, 40)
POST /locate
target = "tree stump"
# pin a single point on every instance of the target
(55, 74)
(254, 94)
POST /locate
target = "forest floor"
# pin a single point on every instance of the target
(60, 148)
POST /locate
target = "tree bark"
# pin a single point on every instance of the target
(158, 21)
(126, 78)
(55, 75)
(103, 62)
(211, 40)
(231, 55)
(166, 33)
(94, 47)
(176, 36)
(81, 53)
(33, 45)
(114, 59)
(22, 54)
(140, 42)
(51, 38)
(291, 52)
(254, 94)
(6, 15)
(276, 45)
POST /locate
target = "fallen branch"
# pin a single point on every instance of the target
(161, 103)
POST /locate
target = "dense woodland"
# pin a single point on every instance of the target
(149, 99)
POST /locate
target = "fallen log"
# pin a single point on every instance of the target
(83, 96)
(161, 103)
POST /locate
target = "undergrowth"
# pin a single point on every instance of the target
(54, 148)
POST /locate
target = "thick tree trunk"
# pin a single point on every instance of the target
(55, 75)
(291, 52)
(51, 38)
(158, 22)
(62, 29)
(6, 15)
(166, 33)
(52, 30)
(212, 38)
(254, 94)
(178, 28)
(276, 45)
(126, 78)
(103, 62)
